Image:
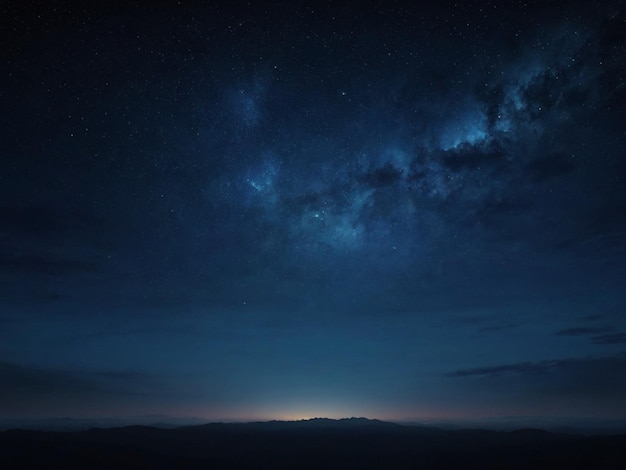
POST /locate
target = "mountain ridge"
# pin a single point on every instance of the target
(312, 443)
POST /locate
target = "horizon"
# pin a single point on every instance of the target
(277, 210)
(506, 424)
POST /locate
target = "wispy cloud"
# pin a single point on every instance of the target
(615, 338)
(518, 368)
(582, 331)
(27, 388)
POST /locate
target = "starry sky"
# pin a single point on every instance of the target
(239, 211)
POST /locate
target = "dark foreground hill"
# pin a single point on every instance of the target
(312, 444)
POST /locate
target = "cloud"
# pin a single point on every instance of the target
(24, 387)
(581, 331)
(43, 263)
(615, 338)
(541, 367)
(385, 175)
(29, 389)
(554, 165)
(473, 157)
(584, 379)
(16, 375)
(522, 368)
(599, 335)
(34, 219)
(48, 240)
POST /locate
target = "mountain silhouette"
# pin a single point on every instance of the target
(314, 443)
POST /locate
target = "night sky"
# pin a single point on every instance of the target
(239, 211)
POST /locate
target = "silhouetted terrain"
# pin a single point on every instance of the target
(314, 444)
